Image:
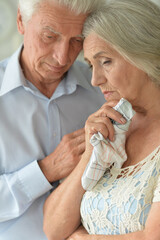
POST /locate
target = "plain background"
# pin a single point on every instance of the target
(10, 39)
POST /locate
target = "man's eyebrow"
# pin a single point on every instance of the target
(59, 33)
(80, 36)
(52, 30)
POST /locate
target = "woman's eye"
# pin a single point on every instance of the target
(106, 62)
(90, 66)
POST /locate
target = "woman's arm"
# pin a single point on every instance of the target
(151, 231)
(62, 208)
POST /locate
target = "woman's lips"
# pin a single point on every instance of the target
(107, 94)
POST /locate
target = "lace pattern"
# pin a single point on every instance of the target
(121, 200)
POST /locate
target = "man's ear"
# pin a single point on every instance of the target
(20, 24)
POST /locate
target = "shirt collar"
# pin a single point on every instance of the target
(13, 76)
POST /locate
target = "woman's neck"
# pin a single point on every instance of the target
(148, 104)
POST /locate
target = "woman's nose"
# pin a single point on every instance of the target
(98, 77)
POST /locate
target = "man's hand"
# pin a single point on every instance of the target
(66, 156)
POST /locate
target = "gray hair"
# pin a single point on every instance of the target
(29, 7)
(131, 27)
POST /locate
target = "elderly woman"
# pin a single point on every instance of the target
(122, 45)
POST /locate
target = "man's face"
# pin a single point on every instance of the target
(52, 41)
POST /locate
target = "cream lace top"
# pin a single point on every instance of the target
(121, 200)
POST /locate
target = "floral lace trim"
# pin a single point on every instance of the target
(121, 200)
(134, 169)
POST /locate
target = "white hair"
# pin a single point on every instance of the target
(132, 27)
(29, 7)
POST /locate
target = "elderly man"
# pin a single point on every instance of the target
(45, 99)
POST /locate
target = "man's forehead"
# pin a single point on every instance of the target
(60, 14)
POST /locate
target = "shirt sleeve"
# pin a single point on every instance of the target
(156, 196)
(20, 189)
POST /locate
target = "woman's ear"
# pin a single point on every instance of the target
(20, 24)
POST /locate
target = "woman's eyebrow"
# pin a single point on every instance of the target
(99, 53)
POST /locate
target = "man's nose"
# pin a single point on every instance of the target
(61, 52)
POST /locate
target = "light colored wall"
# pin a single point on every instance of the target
(10, 39)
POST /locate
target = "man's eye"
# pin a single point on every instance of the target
(77, 41)
(47, 37)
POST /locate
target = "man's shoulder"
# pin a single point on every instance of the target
(9, 60)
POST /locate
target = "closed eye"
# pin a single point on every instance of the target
(88, 63)
(90, 66)
(106, 62)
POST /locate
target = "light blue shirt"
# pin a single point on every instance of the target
(31, 127)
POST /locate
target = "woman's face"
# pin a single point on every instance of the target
(111, 72)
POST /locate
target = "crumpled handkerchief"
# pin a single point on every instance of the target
(105, 152)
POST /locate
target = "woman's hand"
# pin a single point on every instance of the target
(79, 234)
(100, 122)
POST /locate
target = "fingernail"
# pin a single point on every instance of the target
(123, 120)
(113, 138)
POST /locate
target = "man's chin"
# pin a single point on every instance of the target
(52, 77)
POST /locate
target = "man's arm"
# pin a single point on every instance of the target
(19, 189)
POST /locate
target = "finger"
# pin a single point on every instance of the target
(77, 133)
(112, 104)
(106, 130)
(111, 113)
(102, 125)
(79, 139)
